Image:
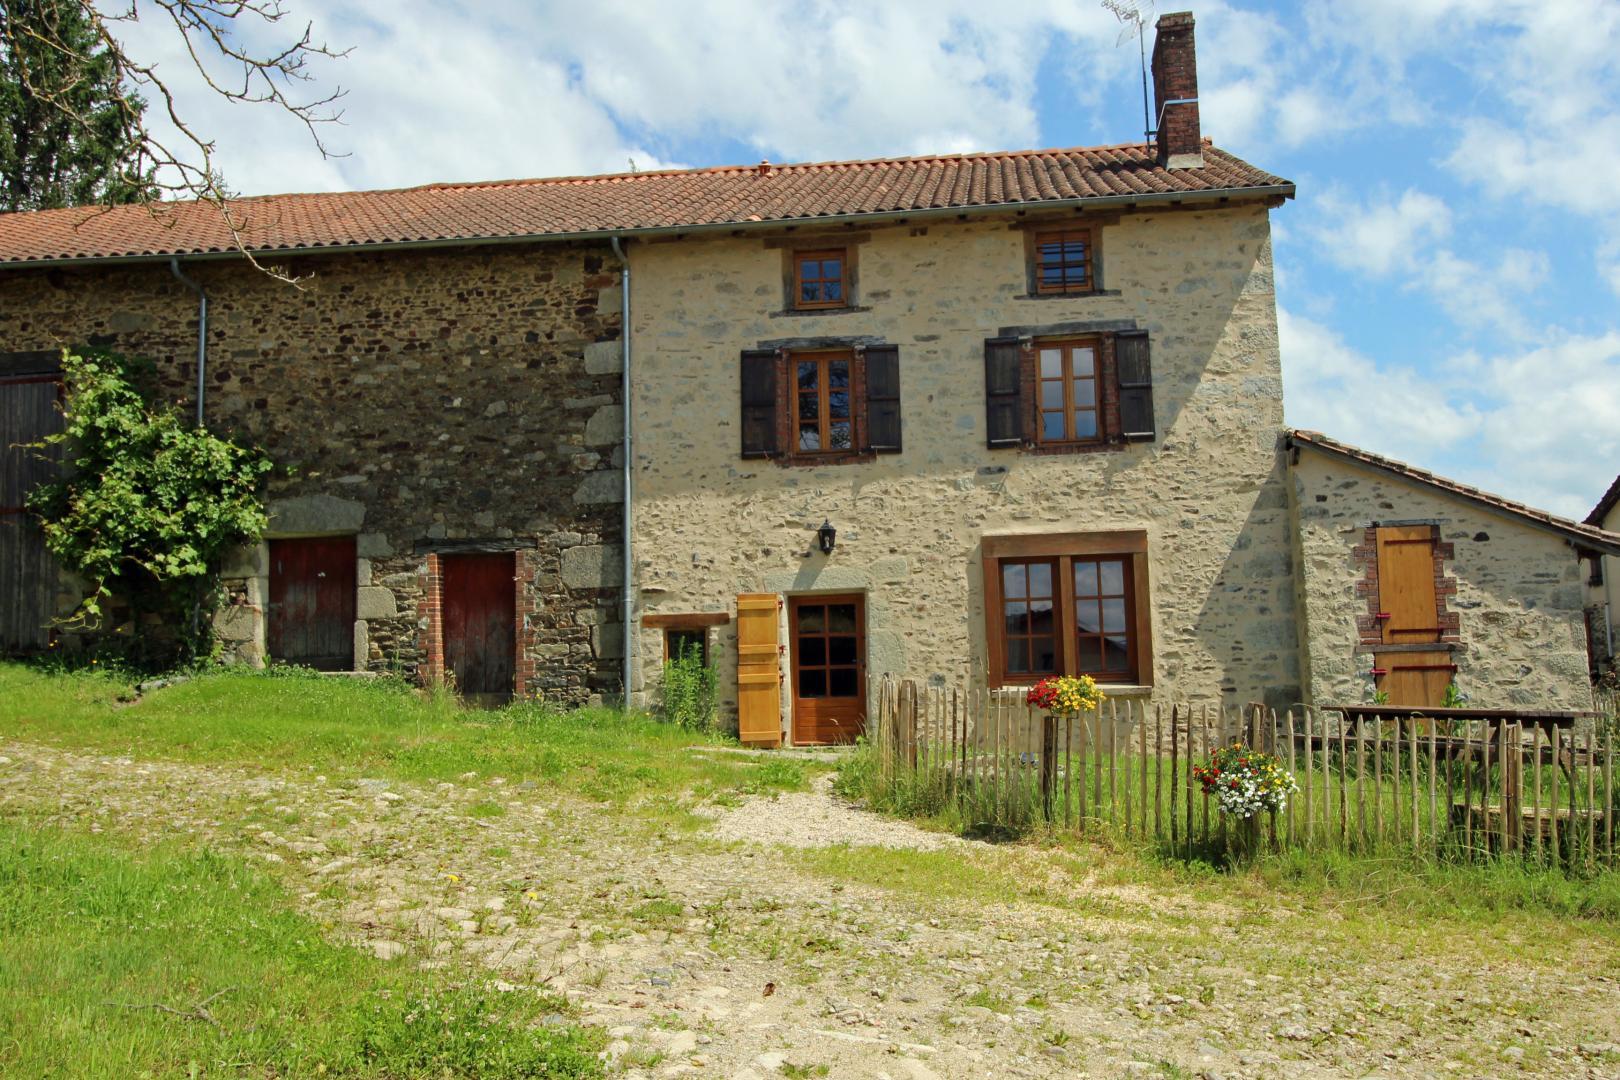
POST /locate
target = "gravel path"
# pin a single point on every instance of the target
(708, 957)
(819, 818)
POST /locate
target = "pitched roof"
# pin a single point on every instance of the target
(1583, 535)
(728, 197)
(1605, 504)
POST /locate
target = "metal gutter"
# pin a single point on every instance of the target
(202, 333)
(1151, 198)
(628, 604)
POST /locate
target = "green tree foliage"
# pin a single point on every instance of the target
(64, 123)
(147, 504)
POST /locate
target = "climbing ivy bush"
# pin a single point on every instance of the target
(146, 503)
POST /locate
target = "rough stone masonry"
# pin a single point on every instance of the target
(422, 401)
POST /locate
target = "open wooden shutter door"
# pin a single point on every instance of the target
(759, 692)
(1135, 385)
(883, 398)
(1003, 380)
(759, 426)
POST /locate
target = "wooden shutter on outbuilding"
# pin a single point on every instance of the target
(1415, 679)
(1407, 605)
(883, 398)
(1003, 402)
(1135, 385)
(1408, 614)
(759, 421)
(759, 694)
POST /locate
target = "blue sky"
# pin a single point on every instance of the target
(1447, 279)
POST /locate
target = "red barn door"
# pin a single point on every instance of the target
(480, 624)
(312, 598)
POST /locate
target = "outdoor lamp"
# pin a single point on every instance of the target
(826, 536)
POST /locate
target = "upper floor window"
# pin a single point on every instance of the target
(824, 419)
(1068, 372)
(825, 405)
(820, 279)
(1068, 394)
(1063, 261)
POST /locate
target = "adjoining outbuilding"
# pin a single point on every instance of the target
(1412, 585)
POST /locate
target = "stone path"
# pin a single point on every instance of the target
(722, 953)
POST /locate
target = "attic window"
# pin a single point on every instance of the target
(819, 279)
(1063, 261)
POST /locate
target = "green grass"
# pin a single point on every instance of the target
(94, 939)
(379, 728)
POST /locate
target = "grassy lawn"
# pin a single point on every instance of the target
(169, 962)
(362, 727)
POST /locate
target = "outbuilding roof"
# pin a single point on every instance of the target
(1605, 504)
(729, 197)
(1586, 536)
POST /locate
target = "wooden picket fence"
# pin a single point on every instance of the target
(1437, 786)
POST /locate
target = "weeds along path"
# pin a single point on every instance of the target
(709, 947)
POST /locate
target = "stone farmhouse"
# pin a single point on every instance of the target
(971, 418)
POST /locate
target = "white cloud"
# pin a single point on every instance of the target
(1383, 234)
(1483, 297)
(1333, 388)
(439, 91)
(1541, 425)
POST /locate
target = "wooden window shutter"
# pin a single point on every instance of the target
(1407, 605)
(883, 398)
(1135, 369)
(759, 426)
(1003, 404)
(759, 694)
(1415, 679)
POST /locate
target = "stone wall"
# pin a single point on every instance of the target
(419, 400)
(1518, 592)
(1209, 491)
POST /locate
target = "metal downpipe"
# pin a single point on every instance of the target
(202, 334)
(627, 605)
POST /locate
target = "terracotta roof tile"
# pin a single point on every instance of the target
(1585, 535)
(733, 195)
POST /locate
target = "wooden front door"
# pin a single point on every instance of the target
(28, 413)
(829, 668)
(1408, 611)
(480, 624)
(312, 599)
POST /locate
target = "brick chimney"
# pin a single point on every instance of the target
(1175, 93)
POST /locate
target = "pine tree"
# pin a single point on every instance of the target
(63, 124)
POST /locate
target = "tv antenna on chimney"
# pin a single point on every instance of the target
(1135, 14)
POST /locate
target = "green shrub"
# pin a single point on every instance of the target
(689, 692)
(147, 504)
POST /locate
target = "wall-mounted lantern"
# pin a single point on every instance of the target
(826, 536)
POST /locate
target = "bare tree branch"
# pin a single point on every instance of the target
(213, 33)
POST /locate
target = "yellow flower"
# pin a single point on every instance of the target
(453, 877)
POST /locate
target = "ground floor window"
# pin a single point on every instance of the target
(1068, 604)
(680, 643)
(685, 632)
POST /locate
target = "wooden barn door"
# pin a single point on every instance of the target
(480, 624)
(28, 412)
(829, 665)
(312, 600)
(1409, 614)
(759, 681)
